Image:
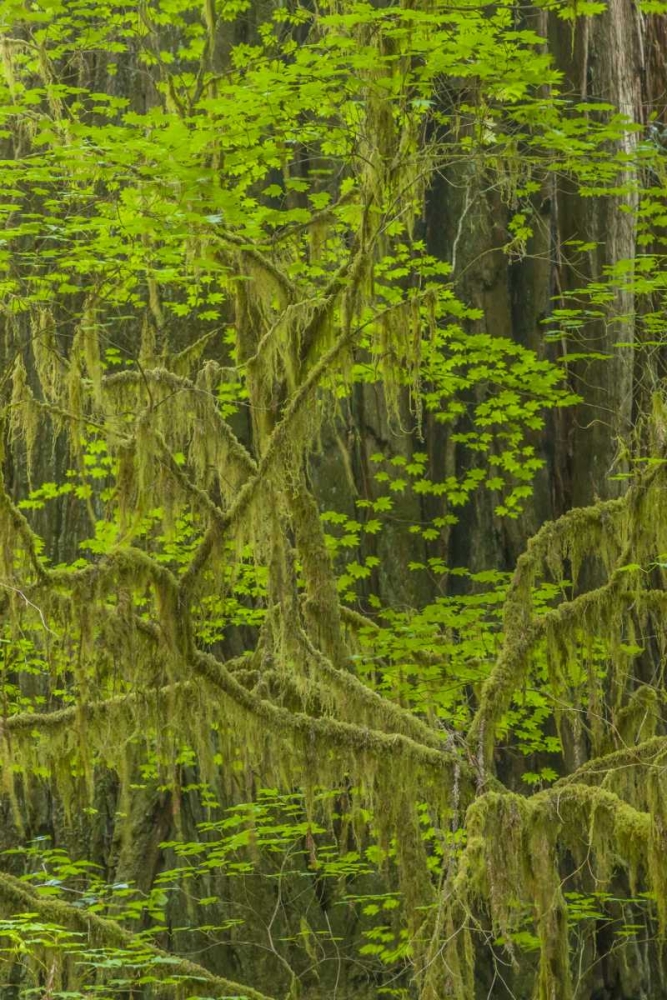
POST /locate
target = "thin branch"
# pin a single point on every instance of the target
(179, 383)
(187, 485)
(30, 539)
(29, 603)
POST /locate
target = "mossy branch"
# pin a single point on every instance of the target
(259, 258)
(327, 733)
(177, 384)
(279, 437)
(382, 714)
(29, 723)
(650, 754)
(126, 559)
(179, 475)
(105, 932)
(346, 277)
(20, 525)
(523, 629)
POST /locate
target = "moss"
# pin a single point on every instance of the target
(23, 412)
(321, 607)
(284, 708)
(519, 868)
(50, 366)
(614, 530)
(101, 932)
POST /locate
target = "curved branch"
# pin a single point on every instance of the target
(650, 753)
(126, 559)
(108, 932)
(330, 733)
(522, 629)
(179, 383)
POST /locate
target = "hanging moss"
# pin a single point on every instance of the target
(50, 366)
(520, 869)
(23, 412)
(287, 711)
(609, 528)
(294, 712)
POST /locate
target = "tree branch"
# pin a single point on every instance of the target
(108, 932)
(328, 733)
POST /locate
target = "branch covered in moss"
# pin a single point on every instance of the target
(606, 529)
(105, 932)
(385, 714)
(179, 383)
(20, 525)
(651, 753)
(329, 734)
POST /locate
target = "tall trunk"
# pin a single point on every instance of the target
(603, 61)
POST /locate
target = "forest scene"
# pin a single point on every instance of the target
(333, 500)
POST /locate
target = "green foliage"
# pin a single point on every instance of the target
(203, 273)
